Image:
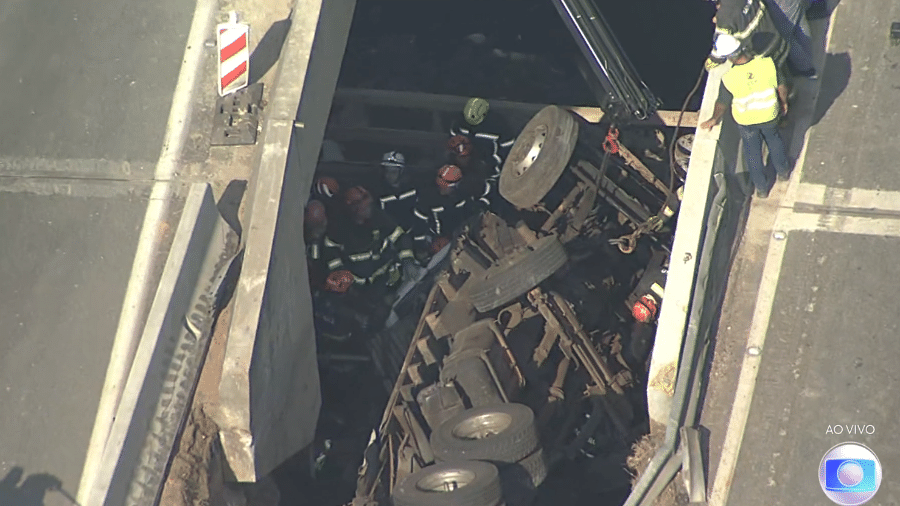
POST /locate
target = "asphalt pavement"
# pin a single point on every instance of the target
(86, 92)
(806, 354)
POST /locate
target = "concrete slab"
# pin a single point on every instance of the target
(829, 360)
(854, 108)
(64, 264)
(269, 391)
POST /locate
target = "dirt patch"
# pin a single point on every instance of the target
(642, 453)
(188, 480)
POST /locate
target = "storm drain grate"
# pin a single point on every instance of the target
(236, 118)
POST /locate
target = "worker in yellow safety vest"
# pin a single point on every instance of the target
(757, 94)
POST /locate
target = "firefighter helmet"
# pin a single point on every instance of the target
(448, 176)
(393, 159)
(327, 186)
(460, 145)
(476, 110)
(315, 216)
(339, 281)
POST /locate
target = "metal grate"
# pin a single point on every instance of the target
(236, 118)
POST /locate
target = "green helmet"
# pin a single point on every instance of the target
(475, 110)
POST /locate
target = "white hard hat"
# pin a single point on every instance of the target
(726, 45)
(393, 159)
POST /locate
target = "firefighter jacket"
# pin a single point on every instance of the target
(321, 260)
(370, 250)
(440, 215)
(754, 90)
(492, 139)
(399, 202)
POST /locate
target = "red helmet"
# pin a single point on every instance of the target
(327, 186)
(438, 244)
(449, 176)
(356, 195)
(460, 145)
(339, 281)
(644, 310)
(315, 214)
(359, 202)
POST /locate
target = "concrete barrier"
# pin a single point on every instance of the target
(269, 391)
(167, 363)
(714, 151)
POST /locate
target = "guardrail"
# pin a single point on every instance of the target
(166, 366)
(709, 222)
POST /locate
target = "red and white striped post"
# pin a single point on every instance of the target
(233, 42)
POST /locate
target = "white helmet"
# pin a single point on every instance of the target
(393, 159)
(726, 45)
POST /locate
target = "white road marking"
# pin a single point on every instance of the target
(138, 293)
(74, 168)
(861, 225)
(852, 198)
(737, 423)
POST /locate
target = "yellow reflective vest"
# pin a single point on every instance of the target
(754, 87)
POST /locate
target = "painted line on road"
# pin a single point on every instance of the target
(75, 168)
(834, 222)
(138, 293)
(852, 198)
(765, 299)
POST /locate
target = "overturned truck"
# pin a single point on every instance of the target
(531, 350)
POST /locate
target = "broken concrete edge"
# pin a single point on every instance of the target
(160, 383)
(269, 395)
(689, 232)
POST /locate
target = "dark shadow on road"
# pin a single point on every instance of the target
(834, 79)
(14, 491)
(230, 203)
(268, 50)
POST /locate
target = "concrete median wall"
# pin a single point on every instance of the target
(167, 363)
(269, 391)
(714, 151)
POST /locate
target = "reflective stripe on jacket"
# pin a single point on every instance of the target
(754, 88)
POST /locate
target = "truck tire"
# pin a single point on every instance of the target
(539, 156)
(518, 273)
(501, 434)
(469, 371)
(461, 483)
(521, 480)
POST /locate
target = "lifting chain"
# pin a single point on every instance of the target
(628, 242)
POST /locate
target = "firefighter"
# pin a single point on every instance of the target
(751, 23)
(479, 178)
(490, 135)
(373, 246)
(441, 209)
(397, 195)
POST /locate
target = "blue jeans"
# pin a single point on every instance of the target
(752, 138)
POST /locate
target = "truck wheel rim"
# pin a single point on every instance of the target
(446, 481)
(482, 426)
(537, 137)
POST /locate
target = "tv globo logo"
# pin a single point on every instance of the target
(850, 474)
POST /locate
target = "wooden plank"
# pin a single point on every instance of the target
(453, 103)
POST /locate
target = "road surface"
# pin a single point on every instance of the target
(814, 287)
(87, 88)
